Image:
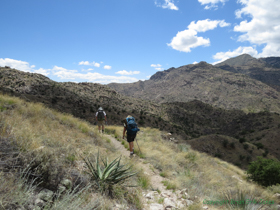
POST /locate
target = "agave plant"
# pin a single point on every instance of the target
(108, 174)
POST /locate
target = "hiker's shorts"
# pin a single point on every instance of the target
(100, 122)
(130, 138)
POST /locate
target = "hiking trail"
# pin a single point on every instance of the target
(166, 199)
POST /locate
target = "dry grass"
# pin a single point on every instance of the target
(55, 143)
(204, 176)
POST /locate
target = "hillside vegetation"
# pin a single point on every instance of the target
(41, 148)
(254, 133)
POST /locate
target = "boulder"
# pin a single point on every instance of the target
(67, 183)
(149, 195)
(156, 206)
(276, 195)
(168, 203)
(46, 195)
(39, 202)
(187, 202)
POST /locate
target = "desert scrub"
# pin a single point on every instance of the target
(105, 175)
(17, 192)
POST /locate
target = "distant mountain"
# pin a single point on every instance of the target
(266, 70)
(207, 83)
(192, 121)
(242, 60)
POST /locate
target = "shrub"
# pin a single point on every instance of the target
(232, 145)
(218, 155)
(242, 140)
(259, 145)
(265, 172)
(245, 146)
(106, 175)
(225, 143)
(141, 122)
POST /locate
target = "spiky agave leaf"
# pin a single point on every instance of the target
(111, 174)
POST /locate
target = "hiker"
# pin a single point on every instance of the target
(100, 118)
(131, 127)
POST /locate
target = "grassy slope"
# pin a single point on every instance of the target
(51, 145)
(57, 141)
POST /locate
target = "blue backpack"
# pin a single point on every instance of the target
(132, 128)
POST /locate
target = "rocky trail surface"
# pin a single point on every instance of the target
(159, 198)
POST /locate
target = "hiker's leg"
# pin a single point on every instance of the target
(130, 146)
(102, 128)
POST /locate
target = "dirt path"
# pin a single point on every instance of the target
(149, 170)
(152, 200)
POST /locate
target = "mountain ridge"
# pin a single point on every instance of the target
(207, 83)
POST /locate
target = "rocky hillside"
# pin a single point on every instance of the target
(188, 120)
(80, 99)
(228, 134)
(207, 83)
(266, 70)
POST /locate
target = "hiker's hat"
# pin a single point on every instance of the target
(100, 109)
(128, 116)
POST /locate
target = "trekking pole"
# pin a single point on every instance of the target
(138, 146)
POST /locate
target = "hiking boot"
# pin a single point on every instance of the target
(131, 155)
(133, 150)
(102, 131)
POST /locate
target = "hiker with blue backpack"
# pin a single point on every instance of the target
(101, 118)
(131, 128)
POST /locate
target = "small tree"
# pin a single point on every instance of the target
(265, 172)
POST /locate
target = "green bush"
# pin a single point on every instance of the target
(265, 172)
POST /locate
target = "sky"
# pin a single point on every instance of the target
(124, 41)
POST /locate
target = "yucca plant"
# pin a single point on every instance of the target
(106, 175)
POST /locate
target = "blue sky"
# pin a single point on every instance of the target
(123, 41)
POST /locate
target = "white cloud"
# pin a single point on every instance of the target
(107, 67)
(168, 4)
(16, 64)
(96, 64)
(65, 74)
(263, 26)
(87, 63)
(155, 65)
(187, 39)
(211, 3)
(195, 62)
(90, 69)
(149, 76)
(124, 72)
(206, 25)
(22, 66)
(222, 56)
(42, 71)
(159, 69)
